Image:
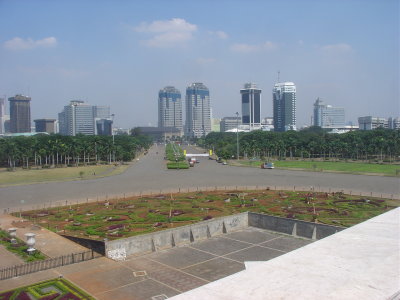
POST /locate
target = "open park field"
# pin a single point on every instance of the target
(118, 218)
(22, 176)
(329, 166)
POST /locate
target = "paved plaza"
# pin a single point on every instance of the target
(167, 273)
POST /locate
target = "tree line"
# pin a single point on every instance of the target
(55, 150)
(380, 144)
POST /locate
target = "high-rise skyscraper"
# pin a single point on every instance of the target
(284, 103)
(327, 116)
(170, 108)
(20, 114)
(198, 110)
(251, 106)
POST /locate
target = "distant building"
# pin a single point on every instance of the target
(103, 126)
(77, 118)
(251, 106)
(198, 110)
(160, 133)
(2, 115)
(327, 116)
(394, 123)
(284, 106)
(82, 118)
(20, 114)
(170, 108)
(102, 120)
(267, 124)
(45, 125)
(7, 126)
(229, 123)
(215, 124)
(370, 123)
(101, 112)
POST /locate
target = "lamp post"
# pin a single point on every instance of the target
(112, 133)
(237, 135)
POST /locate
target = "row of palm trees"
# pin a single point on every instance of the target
(381, 144)
(55, 150)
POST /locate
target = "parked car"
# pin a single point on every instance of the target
(267, 165)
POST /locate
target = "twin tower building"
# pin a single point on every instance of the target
(198, 108)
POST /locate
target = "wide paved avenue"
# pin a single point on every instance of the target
(150, 173)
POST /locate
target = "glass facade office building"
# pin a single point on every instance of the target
(170, 108)
(20, 114)
(284, 105)
(251, 105)
(198, 110)
(327, 116)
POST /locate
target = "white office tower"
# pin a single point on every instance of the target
(327, 116)
(170, 108)
(77, 117)
(198, 110)
(284, 105)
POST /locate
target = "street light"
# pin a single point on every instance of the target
(237, 135)
(112, 133)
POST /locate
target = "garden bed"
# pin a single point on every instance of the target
(59, 289)
(19, 248)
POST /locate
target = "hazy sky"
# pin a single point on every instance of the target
(120, 53)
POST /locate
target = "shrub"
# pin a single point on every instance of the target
(178, 165)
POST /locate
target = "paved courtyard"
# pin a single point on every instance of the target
(167, 273)
(171, 272)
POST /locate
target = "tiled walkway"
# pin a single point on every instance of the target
(167, 273)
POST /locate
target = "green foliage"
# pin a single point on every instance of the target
(156, 218)
(92, 230)
(185, 218)
(380, 144)
(20, 248)
(57, 150)
(174, 152)
(178, 165)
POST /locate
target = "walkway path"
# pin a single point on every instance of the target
(48, 242)
(8, 259)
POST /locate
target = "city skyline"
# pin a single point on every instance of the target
(128, 51)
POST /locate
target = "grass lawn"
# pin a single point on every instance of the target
(20, 176)
(345, 167)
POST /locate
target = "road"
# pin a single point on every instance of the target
(150, 173)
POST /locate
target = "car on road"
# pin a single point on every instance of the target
(267, 165)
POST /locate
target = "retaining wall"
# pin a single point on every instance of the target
(165, 239)
(291, 226)
(119, 249)
(94, 245)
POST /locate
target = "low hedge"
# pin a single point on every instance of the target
(178, 165)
